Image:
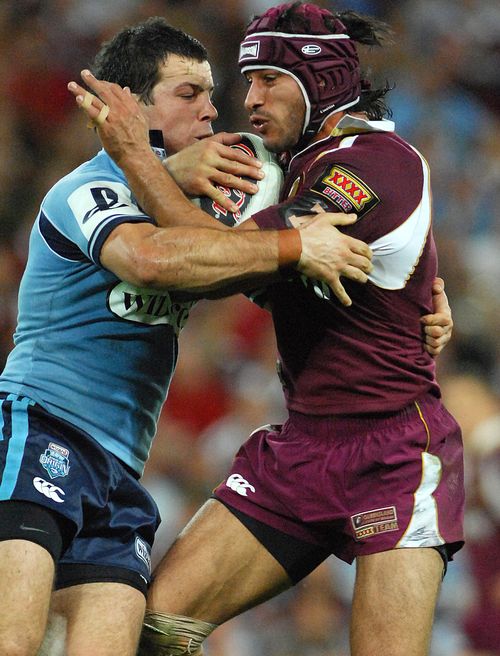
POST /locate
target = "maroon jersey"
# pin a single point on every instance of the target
(369, 357)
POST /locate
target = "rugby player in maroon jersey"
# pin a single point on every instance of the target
(368, 466)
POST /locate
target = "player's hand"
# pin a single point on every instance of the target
(198, 168)
(328, 254)
(438, 327)
(116, 114)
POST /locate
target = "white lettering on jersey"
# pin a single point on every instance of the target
(49, 490)
(148, 306)
(238, 484)
(95, 203)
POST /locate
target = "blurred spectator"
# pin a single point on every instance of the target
(477, 408)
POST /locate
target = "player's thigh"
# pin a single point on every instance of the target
(102, 619)
(215, 569)
(26, 577)
(394, 600)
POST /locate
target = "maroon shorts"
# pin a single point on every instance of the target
(354, 486)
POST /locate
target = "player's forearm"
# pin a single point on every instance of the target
(158, 194)
(204, 259)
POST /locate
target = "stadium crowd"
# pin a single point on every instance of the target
(446, 101)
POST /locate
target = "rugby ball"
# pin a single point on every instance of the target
(248, 204)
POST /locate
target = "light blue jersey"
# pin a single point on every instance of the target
(89, 348)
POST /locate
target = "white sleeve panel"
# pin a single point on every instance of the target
(396, 254)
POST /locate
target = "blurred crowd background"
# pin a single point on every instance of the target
(445, 68)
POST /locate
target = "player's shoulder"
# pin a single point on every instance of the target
(377, 158)
(358, 172)
(368, 152)
(100, 167)
(98, 171)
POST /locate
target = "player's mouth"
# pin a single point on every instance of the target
(259, 123)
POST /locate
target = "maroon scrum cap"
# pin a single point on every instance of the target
(324, 62)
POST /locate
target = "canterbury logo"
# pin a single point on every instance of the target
(48, 489)
(238, 484)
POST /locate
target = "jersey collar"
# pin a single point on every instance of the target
(349, 124)
(157, 146)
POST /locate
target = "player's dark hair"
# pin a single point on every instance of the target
(365, 30)
(132, 58)
(370, 32)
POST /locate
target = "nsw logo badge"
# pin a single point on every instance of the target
(55, 460)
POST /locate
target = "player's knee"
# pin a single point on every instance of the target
(172, 635)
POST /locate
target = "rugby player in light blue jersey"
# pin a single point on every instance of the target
(96, 346)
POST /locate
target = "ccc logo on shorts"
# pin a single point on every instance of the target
(238, 484)
(50, 490)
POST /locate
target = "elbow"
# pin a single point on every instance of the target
(145, 268)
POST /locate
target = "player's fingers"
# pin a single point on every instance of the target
(234, 182)
(438, 285)
(226, 138)
(219, 197)
(96, 110)
(339, 218)
(105, 90)
(236, 161)
(110, 93)
(433, 343)
(76, 89)
(238, 169)
(353, 273)
(338, 289)
(435, 331)
(359, 248)
(442, 319)
(359, 261)
(434, 346)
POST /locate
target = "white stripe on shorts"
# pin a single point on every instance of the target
(423, 529)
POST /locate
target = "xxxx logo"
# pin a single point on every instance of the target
(349, 186)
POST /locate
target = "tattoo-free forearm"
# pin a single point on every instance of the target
(195, 259)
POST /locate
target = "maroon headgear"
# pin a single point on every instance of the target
(324, 62)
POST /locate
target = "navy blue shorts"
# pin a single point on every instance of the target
(108, 518)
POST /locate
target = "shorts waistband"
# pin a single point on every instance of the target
(325, 425)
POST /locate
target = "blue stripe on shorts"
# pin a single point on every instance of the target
(15, 450)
